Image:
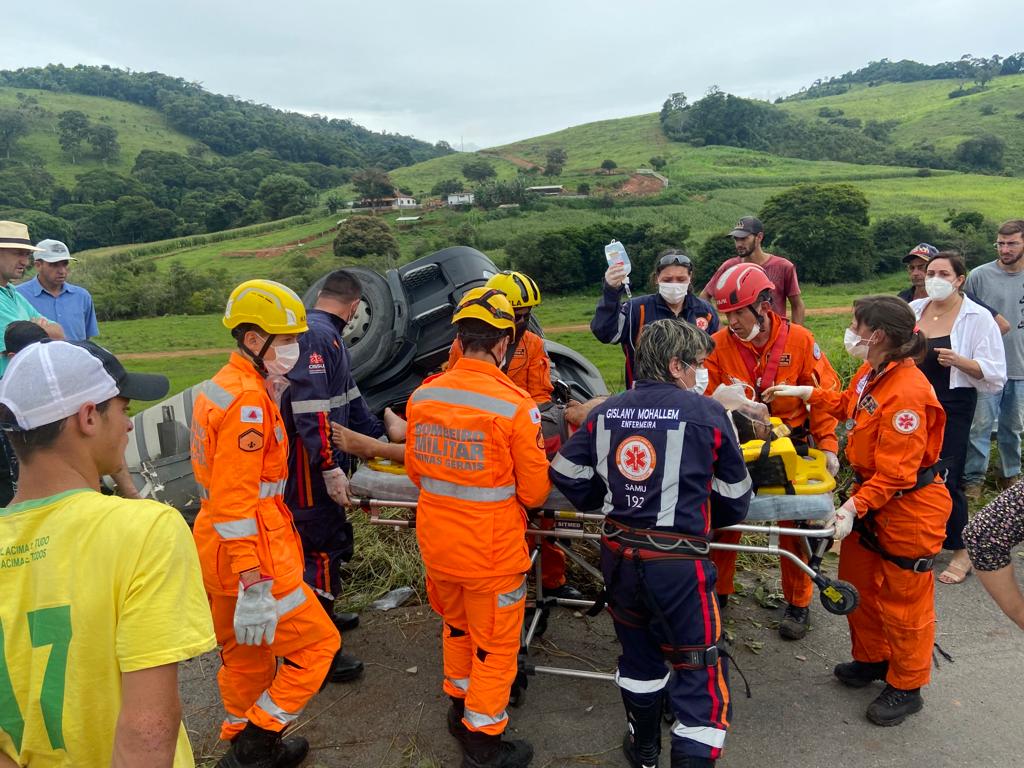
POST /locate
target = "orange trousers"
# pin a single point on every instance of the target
(796, 585)
(483, 619)
(552, 559)
(252, 685)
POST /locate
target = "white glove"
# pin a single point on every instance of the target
(842, 520)
(337, 486)
(831, 463)
(787, 390)
(615, 275)
(255, 614)
(731, 396)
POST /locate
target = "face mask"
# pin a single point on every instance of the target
(287, 357)
(855, 345)
(701, 383)
(750, 336)
(673, 293)
(938, 289)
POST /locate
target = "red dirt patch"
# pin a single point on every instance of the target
(277, 250)
(641, 185)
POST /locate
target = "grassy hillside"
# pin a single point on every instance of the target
(926, 113)
(138, 128)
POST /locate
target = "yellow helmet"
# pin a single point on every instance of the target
(521, 290)
(487, 304)
(271, 306)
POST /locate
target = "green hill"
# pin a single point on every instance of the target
(137, 127)
(925, 113)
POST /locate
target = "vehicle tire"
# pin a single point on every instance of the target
(370, 336)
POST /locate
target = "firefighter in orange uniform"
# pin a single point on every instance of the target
(476, 453)
(759, 348)
(249, 550)
(528, 365)
(899, 506)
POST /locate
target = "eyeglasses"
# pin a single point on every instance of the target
(675, 259)
(1004, 244)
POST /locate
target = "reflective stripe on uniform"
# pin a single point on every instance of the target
(235, 720)
(703, 734)
(463, 397)
(563, 466)
(216, 394)
(203, 492)
(670, 475)
(622, 324)
(730, 490)
(602, 445)
(479, 720)
(513, 597)
(640, 686)
(320, 406)
(268, 705)
(270, 490)
(236, 529)
(462, 683)
(467, 492)
(291, 601)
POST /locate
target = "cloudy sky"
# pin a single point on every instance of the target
(488, 73)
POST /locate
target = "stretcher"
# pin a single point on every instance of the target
(381, 485)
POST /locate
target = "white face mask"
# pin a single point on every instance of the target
(701, 384)
(855, 345)
(287, 355)
(938, 289)
(756, 329)
(673, 293)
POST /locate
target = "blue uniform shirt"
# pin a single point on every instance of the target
(657, 456)
(72, 309)
(621, 323)
(321, 389)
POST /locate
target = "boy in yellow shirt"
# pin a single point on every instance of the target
(100, 597)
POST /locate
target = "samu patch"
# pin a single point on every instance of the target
(906, 421)
(702, 323)
(816, 351)
(250, 440)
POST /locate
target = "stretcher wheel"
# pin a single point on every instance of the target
(839, 597)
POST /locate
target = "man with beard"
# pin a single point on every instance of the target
(747, 235)
(1000, 283)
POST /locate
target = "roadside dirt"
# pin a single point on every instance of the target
(277, 250)
(519, 162)
(641, 185)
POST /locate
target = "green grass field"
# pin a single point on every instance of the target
(137, 127)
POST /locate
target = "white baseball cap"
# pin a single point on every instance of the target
(50, 380)
(52, 251)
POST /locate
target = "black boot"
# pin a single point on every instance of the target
(642, 743)
(857, 674)
(345, 622)
(345, 668)
(482, 750)
(257, 748)
(894, 705)
(794, 622)
(456, 727)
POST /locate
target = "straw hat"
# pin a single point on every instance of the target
(14, 234)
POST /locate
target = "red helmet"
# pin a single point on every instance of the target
(739, 287)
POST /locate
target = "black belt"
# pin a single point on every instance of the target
(650, 543)
(869, 540)
(925, 477)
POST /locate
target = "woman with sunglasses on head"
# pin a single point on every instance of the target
(965, 356)
(896, 515)
(618, 322)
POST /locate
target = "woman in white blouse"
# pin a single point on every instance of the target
(965, 356)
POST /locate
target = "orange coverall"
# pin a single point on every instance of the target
(240, 461)
(796, 360)
(476, 452)
(530, 369)
(897, 433)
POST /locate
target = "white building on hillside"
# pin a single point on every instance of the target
(460, 198)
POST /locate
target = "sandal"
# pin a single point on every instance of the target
(955, 573)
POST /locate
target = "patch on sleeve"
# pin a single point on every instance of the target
(252, 414)
(635, 458)
(906, 421)
(250, 440)
(540, 438)
(816, 351)
(702, 323)
(535, 415)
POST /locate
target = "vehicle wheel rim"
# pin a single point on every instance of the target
(356, 328)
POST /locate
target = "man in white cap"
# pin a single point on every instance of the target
(15, 251)
(55, 298)
(100, 597)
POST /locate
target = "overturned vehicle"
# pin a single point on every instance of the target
(400, 334)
